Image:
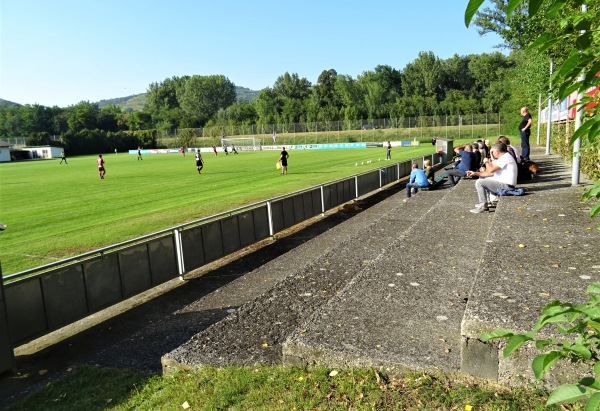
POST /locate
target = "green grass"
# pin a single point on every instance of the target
(276, 388)
(56, 211)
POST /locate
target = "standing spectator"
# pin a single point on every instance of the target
(274, 137)
(389, 151)
(283, 161)
(63, 157)
(139, 153)
(101, 169)
(199, 162)
(501, 173)
(418, 179)
(525, 130)
(115, 151)
(466, 163)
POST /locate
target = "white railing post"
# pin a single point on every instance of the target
(179, 253)
(380, 179)
(355, 186)
(270, 214)
(322, 201)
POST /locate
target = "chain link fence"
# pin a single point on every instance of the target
(473, 126)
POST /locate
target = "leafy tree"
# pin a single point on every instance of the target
(291, 86)
(139, 120)
(456, 74)
(203, 96)
(266, 106)
(10, 121)
(111, 118)
(83, 116)
(351, 96)
(423, 77)
(162, 101)
(326, 87)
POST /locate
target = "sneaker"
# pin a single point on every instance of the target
(480, 209)
(406, 200)
(479, 205)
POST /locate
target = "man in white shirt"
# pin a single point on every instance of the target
(500, 173)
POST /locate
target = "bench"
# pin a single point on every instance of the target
(436, 182)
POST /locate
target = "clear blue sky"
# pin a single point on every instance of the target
(61, 52)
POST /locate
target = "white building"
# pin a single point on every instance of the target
(43, 151)
(4, 151)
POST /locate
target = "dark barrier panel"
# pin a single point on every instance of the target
(368, 182)
(212, 237)
(64, 296)
(163, 260)
(405, 169)
(247, 228)
(192, 244)
(103, 282)
(261, 223)
(7, 358)
(388, 175)
(25, 309)
(231, 235)
(339, 193)
(315, 198)
(299, 211)
(135, 270)
(277, 215)
(289, 218)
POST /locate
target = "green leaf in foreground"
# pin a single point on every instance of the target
(542, 362)
(567, 393)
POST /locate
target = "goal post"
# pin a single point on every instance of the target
(243, 143)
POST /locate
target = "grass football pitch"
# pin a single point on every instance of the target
(54, 211)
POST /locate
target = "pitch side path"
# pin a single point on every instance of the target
(397, 285)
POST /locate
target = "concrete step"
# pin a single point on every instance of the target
(543, 247)
(310, 275)
(405, 308)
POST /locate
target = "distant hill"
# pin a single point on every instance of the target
(6, 103)
(136, 102)
(245, 94)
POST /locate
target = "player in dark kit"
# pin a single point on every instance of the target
(283, 160)
(199, 162)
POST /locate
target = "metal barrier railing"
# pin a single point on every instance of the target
(45, 298)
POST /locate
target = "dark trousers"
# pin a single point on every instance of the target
(455, 175)
(525, 144)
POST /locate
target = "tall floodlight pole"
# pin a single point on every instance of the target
(539, 115)
(548, 132)
(578, 116)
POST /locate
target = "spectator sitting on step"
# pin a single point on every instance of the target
(501, 173)
(417, 180)
(429, 173)
(512, 150)
(466, 163)
(477, 155)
